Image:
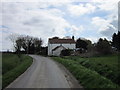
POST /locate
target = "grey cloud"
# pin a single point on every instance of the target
(108, 32)
(33, 21)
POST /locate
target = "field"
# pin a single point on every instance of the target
(94, 72)
(13, 66)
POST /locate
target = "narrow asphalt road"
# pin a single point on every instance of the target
(44, 73)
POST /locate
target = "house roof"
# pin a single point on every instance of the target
(58, 47)
(60, 41)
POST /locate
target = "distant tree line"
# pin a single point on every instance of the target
(102, 47)
(116, 40)
(33, 45)
(29, 45)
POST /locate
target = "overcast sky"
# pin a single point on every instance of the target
(91, 20)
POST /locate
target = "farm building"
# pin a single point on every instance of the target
(56, 45)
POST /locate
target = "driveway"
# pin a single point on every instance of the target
(45, 73)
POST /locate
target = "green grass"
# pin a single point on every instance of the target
(106, 66)
(10, 61)
(13, 66)
(86, 70)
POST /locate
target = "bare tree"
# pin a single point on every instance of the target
(29, 44)
(13, 38)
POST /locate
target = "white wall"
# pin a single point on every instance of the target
(58, 51)
(52, 46)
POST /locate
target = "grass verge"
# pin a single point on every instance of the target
(106, 66)
(17, 67)
(86, 77)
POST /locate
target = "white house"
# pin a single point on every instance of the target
(56, 45)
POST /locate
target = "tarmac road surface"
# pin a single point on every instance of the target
(45, 73)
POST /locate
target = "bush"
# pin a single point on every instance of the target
(66, 52)
(103, 46)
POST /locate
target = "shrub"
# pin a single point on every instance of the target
(66, 52)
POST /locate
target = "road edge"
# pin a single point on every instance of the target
(72, 81)
(33, 61)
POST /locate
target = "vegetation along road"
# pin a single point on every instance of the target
(93, 72)
(45, 73)
(13, 66)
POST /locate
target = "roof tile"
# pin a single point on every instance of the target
(60, 41)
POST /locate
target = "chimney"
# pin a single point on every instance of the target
(73, 37)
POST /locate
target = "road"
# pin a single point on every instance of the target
(45, 73)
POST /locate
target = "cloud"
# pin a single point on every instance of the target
(104, 26)
(108, 24)
(45, 3)
(81, 9)
(29, 19)
(93, 39)
(76, 31)
(4, 41)
(107, 5)
(53, 18)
